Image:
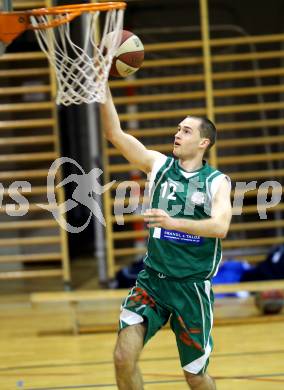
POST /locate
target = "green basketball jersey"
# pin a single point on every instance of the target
(188, 195)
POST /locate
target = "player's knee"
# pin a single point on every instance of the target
(122, 358)
(193, 380)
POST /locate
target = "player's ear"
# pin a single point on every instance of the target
(204, 143)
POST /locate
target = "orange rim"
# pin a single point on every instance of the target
(71, 11)
(78, 8)
(12, 24)
(53, 23)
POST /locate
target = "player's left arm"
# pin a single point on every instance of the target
(215, 226)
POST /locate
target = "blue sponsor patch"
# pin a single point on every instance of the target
(180, 237)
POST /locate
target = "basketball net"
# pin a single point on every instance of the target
(81, 72)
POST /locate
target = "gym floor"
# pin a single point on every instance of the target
(39, 351)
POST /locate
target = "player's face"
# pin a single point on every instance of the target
(188, 142)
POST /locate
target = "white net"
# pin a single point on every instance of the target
(81, 72)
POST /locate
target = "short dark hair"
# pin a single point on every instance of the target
(207, 130)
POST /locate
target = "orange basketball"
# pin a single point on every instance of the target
(129, 56)
(270, 302)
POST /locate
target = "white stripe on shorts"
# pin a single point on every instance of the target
(130, 318)
(198, 364)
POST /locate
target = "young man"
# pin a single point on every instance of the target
(190, 212)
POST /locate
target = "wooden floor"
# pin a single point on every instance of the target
(39, 352)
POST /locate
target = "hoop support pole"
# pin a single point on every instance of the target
(8, 6)
(207, 60)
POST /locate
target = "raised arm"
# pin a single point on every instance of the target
(132, 149)
(215, 226)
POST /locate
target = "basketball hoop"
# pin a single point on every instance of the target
(81, 72)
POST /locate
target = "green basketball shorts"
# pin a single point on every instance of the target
(188, 304)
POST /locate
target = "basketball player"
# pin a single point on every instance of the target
(190, 212)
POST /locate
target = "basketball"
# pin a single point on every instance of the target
(269, 302)
(129, 56)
